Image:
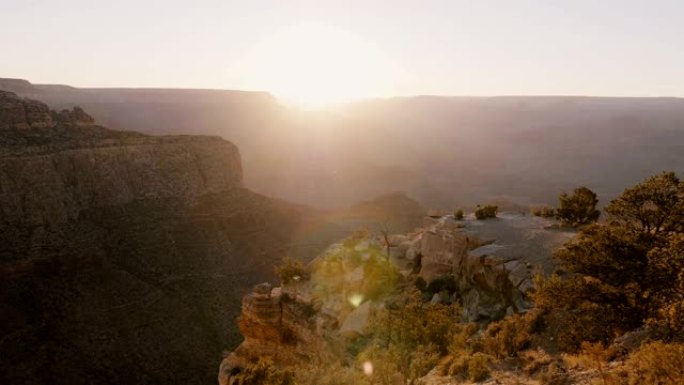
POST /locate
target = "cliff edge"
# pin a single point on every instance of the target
(123, 257)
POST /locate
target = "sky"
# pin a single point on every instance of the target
(351, 48)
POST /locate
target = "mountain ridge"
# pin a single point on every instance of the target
(444, 151)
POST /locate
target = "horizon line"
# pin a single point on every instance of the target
(355, 100)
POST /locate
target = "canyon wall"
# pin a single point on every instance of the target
(123, 257)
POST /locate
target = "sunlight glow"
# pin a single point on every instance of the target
(355, 299)
(368, 368)
(313, 65)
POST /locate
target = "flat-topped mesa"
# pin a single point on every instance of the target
(23, 114)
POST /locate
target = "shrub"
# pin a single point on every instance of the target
(666, 273)
(579, 208)
(543, 211)
(596, 356)
(423, 359)
(292, 270)
(264, 373)
(478, 367)
(624, 273)
(653, 207)
(507, 337)
(555, 374)
(444, 283)
(386, 363)
(408, 323)
(420, 283)
(458, 214)
(657, 363)
(488, 211)
(335, 374)
(464, 339)
(471, 366)
(581, 309)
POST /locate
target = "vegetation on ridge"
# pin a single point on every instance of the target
(611, 313)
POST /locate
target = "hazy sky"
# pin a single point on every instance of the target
(478, 47)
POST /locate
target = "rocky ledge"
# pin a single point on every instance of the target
(279, 324)
(487, 266)
(66, 164)
(468, 262)
(24, 114)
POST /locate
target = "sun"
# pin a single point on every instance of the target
(314, 65)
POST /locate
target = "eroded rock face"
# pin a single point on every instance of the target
(276, 327)
(18, 113)
(49, 186)
(489, 283)
(123, 257)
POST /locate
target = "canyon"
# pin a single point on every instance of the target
(123, 257)
(443, 151)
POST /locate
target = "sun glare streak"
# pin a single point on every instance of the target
(314, 65)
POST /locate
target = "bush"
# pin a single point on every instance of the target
(596, 356)
(478, 367)
(335, 374)
(264, 373)
(543, 211)
(653, 207)
(458, 214)
(292, 270)
(579, 208)
(657, 363)
(624, 273)
(507, 337)
(471, 366)
(423, 359)
(444, 283)
(488, 211)
(408, 323)
(666, 272)
(420, 283)
(385, 363)
(581, 309)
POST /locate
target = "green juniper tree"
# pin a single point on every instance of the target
(579, 208)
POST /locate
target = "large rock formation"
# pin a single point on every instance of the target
(491, 262)
(485, 266)
(123, 257)
(16, 113)
(279, 326)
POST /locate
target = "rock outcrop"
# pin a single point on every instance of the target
(276, 326)
(17, 113)
(460, 261)
(123, 257)
(490, 262)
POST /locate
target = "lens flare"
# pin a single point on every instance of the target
(355, 299)
(368, 368)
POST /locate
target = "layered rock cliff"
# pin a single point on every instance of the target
(123, 257)
(20, 113)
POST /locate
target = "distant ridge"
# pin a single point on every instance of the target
(445, 151)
